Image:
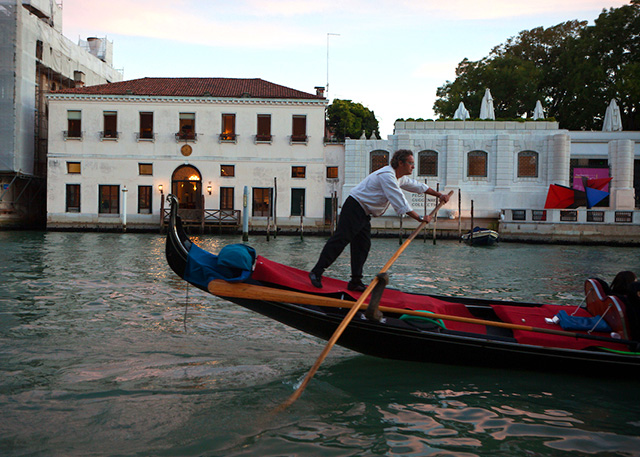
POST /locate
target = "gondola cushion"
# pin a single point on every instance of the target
(237, 256)
(203, 267)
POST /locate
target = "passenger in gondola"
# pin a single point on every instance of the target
(371, 198)
(620, 284)
(632, 303)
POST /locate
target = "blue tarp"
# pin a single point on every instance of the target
(233, 264)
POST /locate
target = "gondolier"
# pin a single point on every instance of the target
(371, 197)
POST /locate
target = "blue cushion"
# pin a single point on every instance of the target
(238, 256)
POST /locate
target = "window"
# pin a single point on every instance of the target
(145, 169)
(226, 198)
(146, 127)
(228, 171)
(187, 127)
(261, 202)
(144, 199)
(332, 172)
(110, 125)
(74, 124)
(299, 129)
(539, 215)
(477, 164)
(264, 128)
(297, 202)
(428, 163)
(519, 214)
(527, 164)
(39, 48)
(379, 159)
(298, 172)
(109, 199)
(73, 168)
(228, 128)
(595, 216)
(73, 198)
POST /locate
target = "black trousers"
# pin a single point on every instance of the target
(354, 227)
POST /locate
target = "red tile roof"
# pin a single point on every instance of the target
(194, 87)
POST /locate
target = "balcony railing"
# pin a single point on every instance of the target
(109, 135)
(145, 136)
(72, 135)
(228, 138)
(262, 138)
(299, 139)
(186, 136)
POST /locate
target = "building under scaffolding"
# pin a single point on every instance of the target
(35, 58)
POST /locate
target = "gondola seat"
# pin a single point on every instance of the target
(600, 303)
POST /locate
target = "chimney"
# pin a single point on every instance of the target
(320, 91)
(78, 78)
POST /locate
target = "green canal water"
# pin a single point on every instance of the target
(104, 352)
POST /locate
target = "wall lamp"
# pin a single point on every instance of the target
(209, 189)
(160, 188)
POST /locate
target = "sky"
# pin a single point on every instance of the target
(389, 55)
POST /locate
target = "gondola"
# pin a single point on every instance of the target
(481, 237)
(415, 327)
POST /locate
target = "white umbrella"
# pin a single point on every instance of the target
(486, 108)
(612, 119)
(538, 113)
(461, 113)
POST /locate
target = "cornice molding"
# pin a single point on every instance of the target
(186, 100)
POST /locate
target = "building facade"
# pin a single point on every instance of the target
(35, 58)
(502, 171)
(116, 150)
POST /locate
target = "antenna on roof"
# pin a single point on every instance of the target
(328, 35)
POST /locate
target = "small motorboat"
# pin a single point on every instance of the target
(481, 237)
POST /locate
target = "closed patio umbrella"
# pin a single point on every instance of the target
(486, 108)
(461, 113)
(612, 118)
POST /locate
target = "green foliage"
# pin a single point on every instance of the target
(573, 68)
(347, 119)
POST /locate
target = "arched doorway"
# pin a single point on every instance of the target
(186, 185)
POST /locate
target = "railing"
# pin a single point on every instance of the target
(578, 215)
(109, 135)
(298, 139)
(186, 136)
(227, 138)
(145, 136)
(205, 217)
(72, 135)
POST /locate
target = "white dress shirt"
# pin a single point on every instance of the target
(382, 188)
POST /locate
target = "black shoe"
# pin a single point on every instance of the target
(316, 280)
(356, 286)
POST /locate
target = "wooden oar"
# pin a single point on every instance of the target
(352, 311)
(250, 291)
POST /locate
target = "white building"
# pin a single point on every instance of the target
(36, 58)
(116, 149)
(506, 168)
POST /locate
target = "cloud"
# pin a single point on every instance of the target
(182, 21)
(501, 9)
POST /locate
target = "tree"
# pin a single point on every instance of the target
(574, 69)
(346, 119)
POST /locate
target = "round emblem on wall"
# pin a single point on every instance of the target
(186, 150)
